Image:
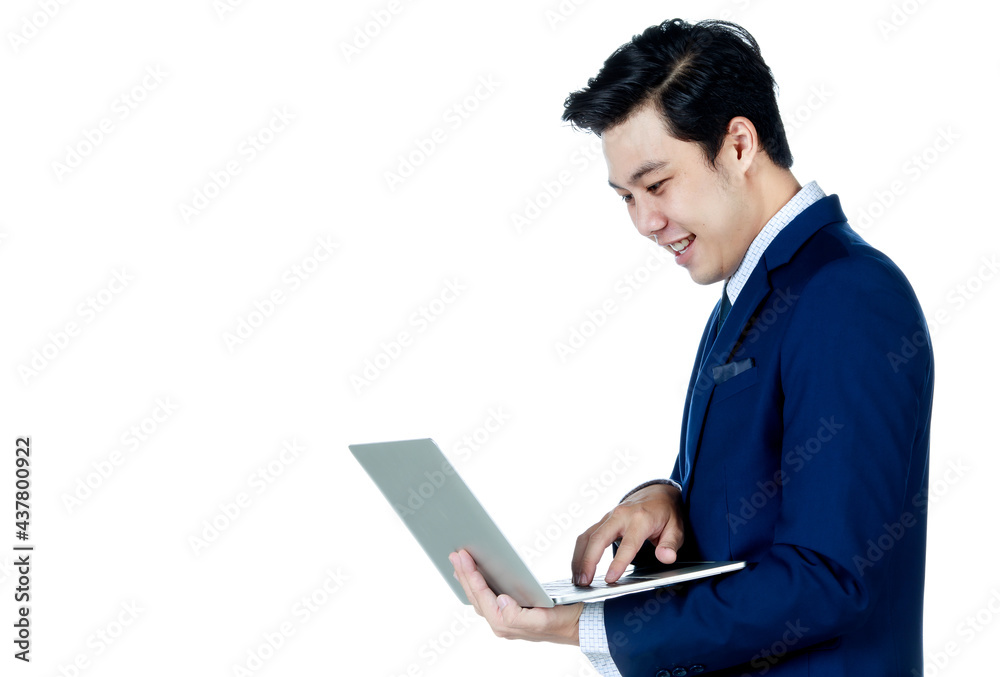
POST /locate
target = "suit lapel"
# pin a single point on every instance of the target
(704, 351)
(754, 293)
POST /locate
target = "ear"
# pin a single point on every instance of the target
(741, 144)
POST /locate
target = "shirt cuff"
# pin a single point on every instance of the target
(594, 640)
(651, 483)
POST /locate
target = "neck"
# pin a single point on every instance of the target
(770, 189)
(776, 187)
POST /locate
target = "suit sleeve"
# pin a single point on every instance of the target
(808, 587)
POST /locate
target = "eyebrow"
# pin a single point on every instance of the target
(645, 168)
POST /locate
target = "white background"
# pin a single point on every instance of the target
(886, 96)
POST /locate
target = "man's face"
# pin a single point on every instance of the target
(675, 197)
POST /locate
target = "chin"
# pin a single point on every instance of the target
(703, 278)
(705, 275)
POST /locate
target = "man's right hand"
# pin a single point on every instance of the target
(653, 513)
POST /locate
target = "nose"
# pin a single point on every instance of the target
(648, 219)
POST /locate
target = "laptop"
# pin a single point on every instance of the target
(443, 515)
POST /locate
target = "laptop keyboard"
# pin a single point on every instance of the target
(566, 585)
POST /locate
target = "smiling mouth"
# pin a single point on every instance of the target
(680, 246)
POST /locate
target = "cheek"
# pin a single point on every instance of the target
(687, 204)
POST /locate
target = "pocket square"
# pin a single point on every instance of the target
(724, 372)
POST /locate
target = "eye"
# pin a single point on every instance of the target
(627, 199)
(653, 188)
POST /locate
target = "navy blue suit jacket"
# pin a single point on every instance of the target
(804, 451)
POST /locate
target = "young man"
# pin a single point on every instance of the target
(804, 442)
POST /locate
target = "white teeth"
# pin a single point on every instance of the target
(682, 245)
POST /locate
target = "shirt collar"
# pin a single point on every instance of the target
(807, 196)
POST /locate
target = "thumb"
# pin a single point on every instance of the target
(509, 609)
(667, 546)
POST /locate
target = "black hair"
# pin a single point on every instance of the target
(699, 76)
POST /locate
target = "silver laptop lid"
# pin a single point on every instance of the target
(443, 515)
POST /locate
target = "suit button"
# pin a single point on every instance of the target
(663, 673)
(695, 669)
(679, 672)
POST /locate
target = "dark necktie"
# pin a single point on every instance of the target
(726, 307)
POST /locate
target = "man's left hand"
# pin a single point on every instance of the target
(559, 624)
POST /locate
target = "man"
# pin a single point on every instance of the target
(804, 442)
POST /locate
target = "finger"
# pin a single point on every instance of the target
(670, 541)
(466, 572)
(463, 579)
(576, 564)
(594, 549)
(623, 557)
(506, 617)
(509, 611)
(480, 594)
